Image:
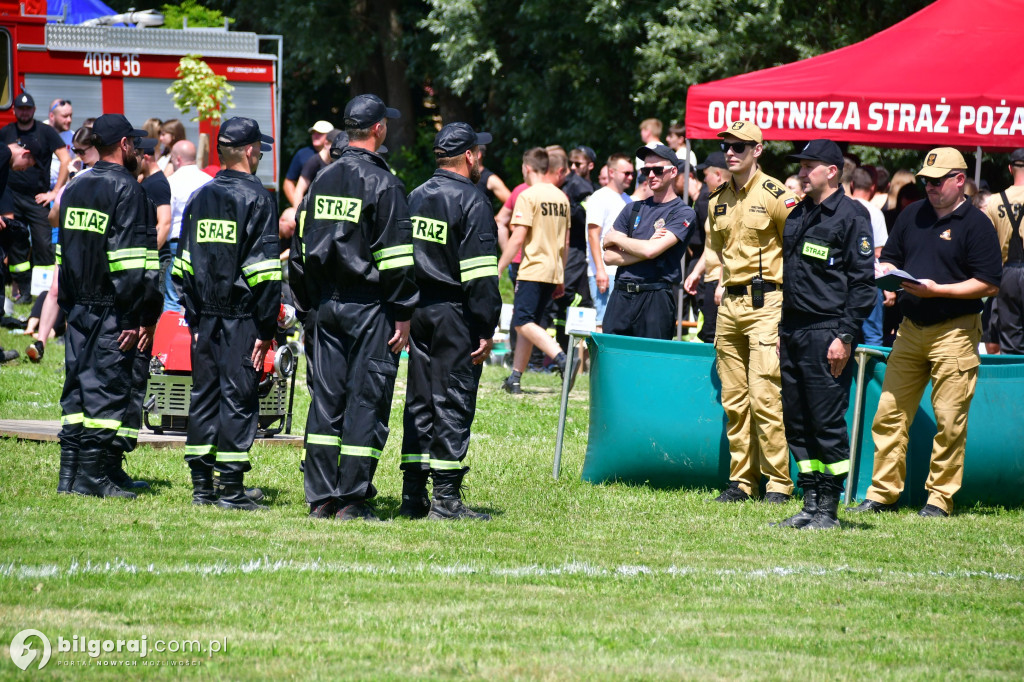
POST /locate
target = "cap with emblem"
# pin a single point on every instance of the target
(940, 161)
(111, 128)
(362, 111)
(826, 151)
(743, 130)
(1017, 158)
(240, 131)
(714, 160)
(322, 127)
(661, 151)
(456, 138)
(31, 143)
(24, 100)
(146, 144)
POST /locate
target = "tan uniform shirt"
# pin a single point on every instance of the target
(544, 209)
(711, 262)
(746, 221)
(1000, 217)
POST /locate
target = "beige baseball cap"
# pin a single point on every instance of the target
(743, 130)
(322, 127)
(940, 161)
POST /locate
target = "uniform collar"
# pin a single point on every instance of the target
(367, 155)
(445, 173)
(754, 179)
(831, 204)
(959, 212)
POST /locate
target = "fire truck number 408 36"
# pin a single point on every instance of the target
(106, 64)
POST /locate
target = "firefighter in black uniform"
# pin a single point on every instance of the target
(829, 288)
(358, 277)
(229, 265)
(647, 242)
(108, 271)
(456, 253)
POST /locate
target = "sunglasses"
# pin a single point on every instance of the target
(60, 103)
(657, 170)
(628, 173)
(736, 147)
(937, 182)
(577, 163)
(79, 152)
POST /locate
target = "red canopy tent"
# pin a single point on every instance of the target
(949, 75)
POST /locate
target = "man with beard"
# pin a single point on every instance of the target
(456, 252)
(107, 285)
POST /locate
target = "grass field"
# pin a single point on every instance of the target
(569, 581)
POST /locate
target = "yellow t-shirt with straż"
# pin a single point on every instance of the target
(1000, 215)
(543, 210)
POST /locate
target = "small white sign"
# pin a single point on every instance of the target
(42, 278)
(580, 321)
(505, 320)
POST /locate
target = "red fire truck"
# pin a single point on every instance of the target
(106, 69)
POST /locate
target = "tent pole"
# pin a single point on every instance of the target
(977, 167)
(689, 202)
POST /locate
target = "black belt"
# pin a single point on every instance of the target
(741, 289)
(637, 287)
(1014, 264)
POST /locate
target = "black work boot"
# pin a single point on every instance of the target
(202, 483)
(117, 474)
(232, 493)
(254, 494)
(415, 500)
(828, 505)
(447, 504)
(91, 478)
(68, 469)
(804, 516)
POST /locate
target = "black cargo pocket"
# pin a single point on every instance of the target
(379, 384)
(460, 399)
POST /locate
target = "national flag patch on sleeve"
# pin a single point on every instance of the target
(791, 202)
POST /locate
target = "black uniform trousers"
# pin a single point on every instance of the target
(97, 381)
(223, 411)
(40, 252)
(352, 379)
(577, 295)
(440, 396)
(706, 296)
(814, 405)
(646, 314)
(128, 435)
(1010, 303)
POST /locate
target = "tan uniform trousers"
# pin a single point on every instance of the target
(748, 367)
(946, 353)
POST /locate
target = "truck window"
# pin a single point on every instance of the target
(6, 96)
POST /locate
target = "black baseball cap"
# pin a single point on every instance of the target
(826, 151)
(455, 138)
(110, 128)
(588, 152)
(240, 131)
(1017, 157)
(146, 144)
(338, 144)
(714, 160)
(24, 100)
(31, 143)
(660, 151)
(362, 111)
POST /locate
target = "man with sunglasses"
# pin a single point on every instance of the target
(647, 243)
(228, 262)
(746, 217)
(603, 207)
(1006, 211)
(828, 291)
(949, 246)
(31, 192)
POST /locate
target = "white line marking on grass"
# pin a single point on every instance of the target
(20, 571)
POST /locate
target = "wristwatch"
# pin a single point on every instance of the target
(846, 338)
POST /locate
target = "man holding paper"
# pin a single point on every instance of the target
(951, 250)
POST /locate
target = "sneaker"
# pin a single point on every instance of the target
(355, 512)
(35, 351)
(933, 511)
(511, 385)
(324, 510)
(559, 363)
(8, 355)
(873, 507)
(777, 498)
(732, 494)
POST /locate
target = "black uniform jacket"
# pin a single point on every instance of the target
(828, 261)
(455, 242)
(354, 237)
(107, 245)
(229, 256)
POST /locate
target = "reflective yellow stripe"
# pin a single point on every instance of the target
(199, 449)
(121, 254)
(91, 423)
(359, 451)
(477, 262)
(410, 459)
(477, 273)
(318, 439)
(76, 418)
(262, 265)
(391, 263)
(835, 469)
(128, 433)
(444, 464)
(185, 256)
(20, 267)
(138, 264)
(253, 280)
(232, 456)
(152, 259)
(392, 251)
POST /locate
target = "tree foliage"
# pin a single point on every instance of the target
(198, 87)
(197, 15)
